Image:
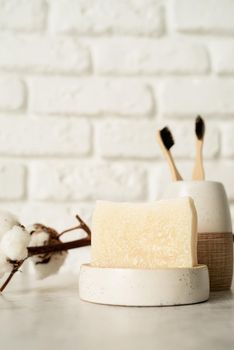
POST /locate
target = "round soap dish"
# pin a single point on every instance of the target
(144, 287)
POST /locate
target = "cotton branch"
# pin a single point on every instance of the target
(58, 247)
(53, 248)
(82, 225)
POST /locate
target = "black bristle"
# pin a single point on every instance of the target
(200, 127)
(167, 137)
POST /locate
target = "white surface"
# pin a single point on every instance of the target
(210, 200)
(138, 287)
(49, 315)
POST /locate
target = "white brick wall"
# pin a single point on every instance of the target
(23, 15)
(12, 94)
(95, 17)
(149, 56)
(203, 16)
(43, 54)
(85, 83)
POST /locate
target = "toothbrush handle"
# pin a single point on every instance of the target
(174, 171)
(198, 170)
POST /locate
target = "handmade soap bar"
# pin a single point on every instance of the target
(145, 235)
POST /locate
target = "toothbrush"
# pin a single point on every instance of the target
(166, 141)
(198, 170)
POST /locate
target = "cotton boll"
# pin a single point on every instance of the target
(14, 243)
(50, 263)
(45, 267)
(7, 221)
(39, 239)
(42, 235)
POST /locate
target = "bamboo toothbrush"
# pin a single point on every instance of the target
(198, 170)
(166, 141)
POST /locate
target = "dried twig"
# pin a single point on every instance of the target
(58, 247)
(16, 267)
(82, 225)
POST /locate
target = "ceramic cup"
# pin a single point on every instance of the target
(215, 241)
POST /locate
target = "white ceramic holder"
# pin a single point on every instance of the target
(210, 200)
(215, 239)
(148, 287)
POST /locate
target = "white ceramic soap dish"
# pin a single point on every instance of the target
(151, 287)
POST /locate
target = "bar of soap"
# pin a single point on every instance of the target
(145, 235)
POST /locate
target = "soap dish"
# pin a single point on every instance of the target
(144, 287)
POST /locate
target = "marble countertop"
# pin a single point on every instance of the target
(49, 315)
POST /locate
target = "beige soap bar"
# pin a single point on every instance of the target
(145, 235)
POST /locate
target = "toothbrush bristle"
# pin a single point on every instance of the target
(167, 137)
(200, 127)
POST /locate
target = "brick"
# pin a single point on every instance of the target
(125, 139)
(22, 14)
(222, 53)
(12, 94)
(139, 17)
(43, 54)
(227, 147)
(205, 96)
(85, 181)
(134, 56)
(47, 136)
(199, 16)
(89, 96)
(12, 179)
